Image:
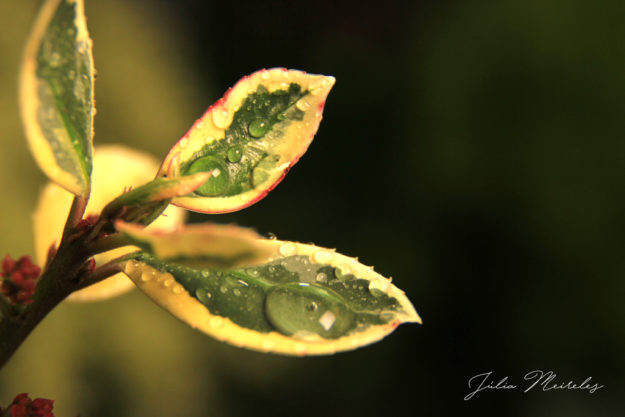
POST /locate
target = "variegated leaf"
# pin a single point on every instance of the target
(249, 139)
(300, 300)
(115, 169)
(56, 92)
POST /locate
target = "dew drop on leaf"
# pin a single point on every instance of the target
(300, 310)
(258, 127)
(219, 180)
(234, 154)
(302, 105)
(220, 118)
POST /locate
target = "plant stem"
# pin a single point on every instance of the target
(99, 274)
(79, 204)
(107, 243)
(59, 279)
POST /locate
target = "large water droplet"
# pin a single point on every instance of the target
(258, 127)
(234, 154)
(288, 309)
(219, 180)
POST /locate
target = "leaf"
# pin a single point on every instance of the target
(300, 300)
(209, 245)
(115, 169)
(146, 202)
(249, 139)
(56, 94)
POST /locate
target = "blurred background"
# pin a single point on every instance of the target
(471, 150)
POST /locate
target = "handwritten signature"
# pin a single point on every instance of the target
(539, 380)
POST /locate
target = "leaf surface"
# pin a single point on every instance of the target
(249, 139)
(56, 94)
(295, 299)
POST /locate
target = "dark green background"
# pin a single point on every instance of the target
(472, 150)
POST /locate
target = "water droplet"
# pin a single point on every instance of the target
(168, 282)
(236, 292)
(288, 309)
(217, 183)
(183, 142)
(234, 154)
(200, 124)
(208, 139)
(205, 274)
(263, 170)
(321, 85)
(177, 289)
(264, 75)
(245, 284)
(341, 272)
(379, 285)
(258, 128)
(130, 268)
(253, 272)
(321, 277)
(281, 116)
(322, 257)
(221, 118)
(55, 59)
(302, 105)
(270, 236)
(148, 275)
(216, 322)
(203, 295)
(288, 249)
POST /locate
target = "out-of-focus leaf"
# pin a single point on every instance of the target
(249, 139)
(56, 92)
(115, 169)
(300, 300)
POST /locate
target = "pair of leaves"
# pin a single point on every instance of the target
(226, 281)
(246, 142)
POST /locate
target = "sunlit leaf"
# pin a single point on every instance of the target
(56, 92)
(116, 168)
(249, 139)
(300, 300)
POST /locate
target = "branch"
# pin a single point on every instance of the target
(107, 270)
(105, 244)
(75, 214)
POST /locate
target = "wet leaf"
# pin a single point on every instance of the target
(115, 169)
(299, 300)
(56, 92)
(249, 139)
